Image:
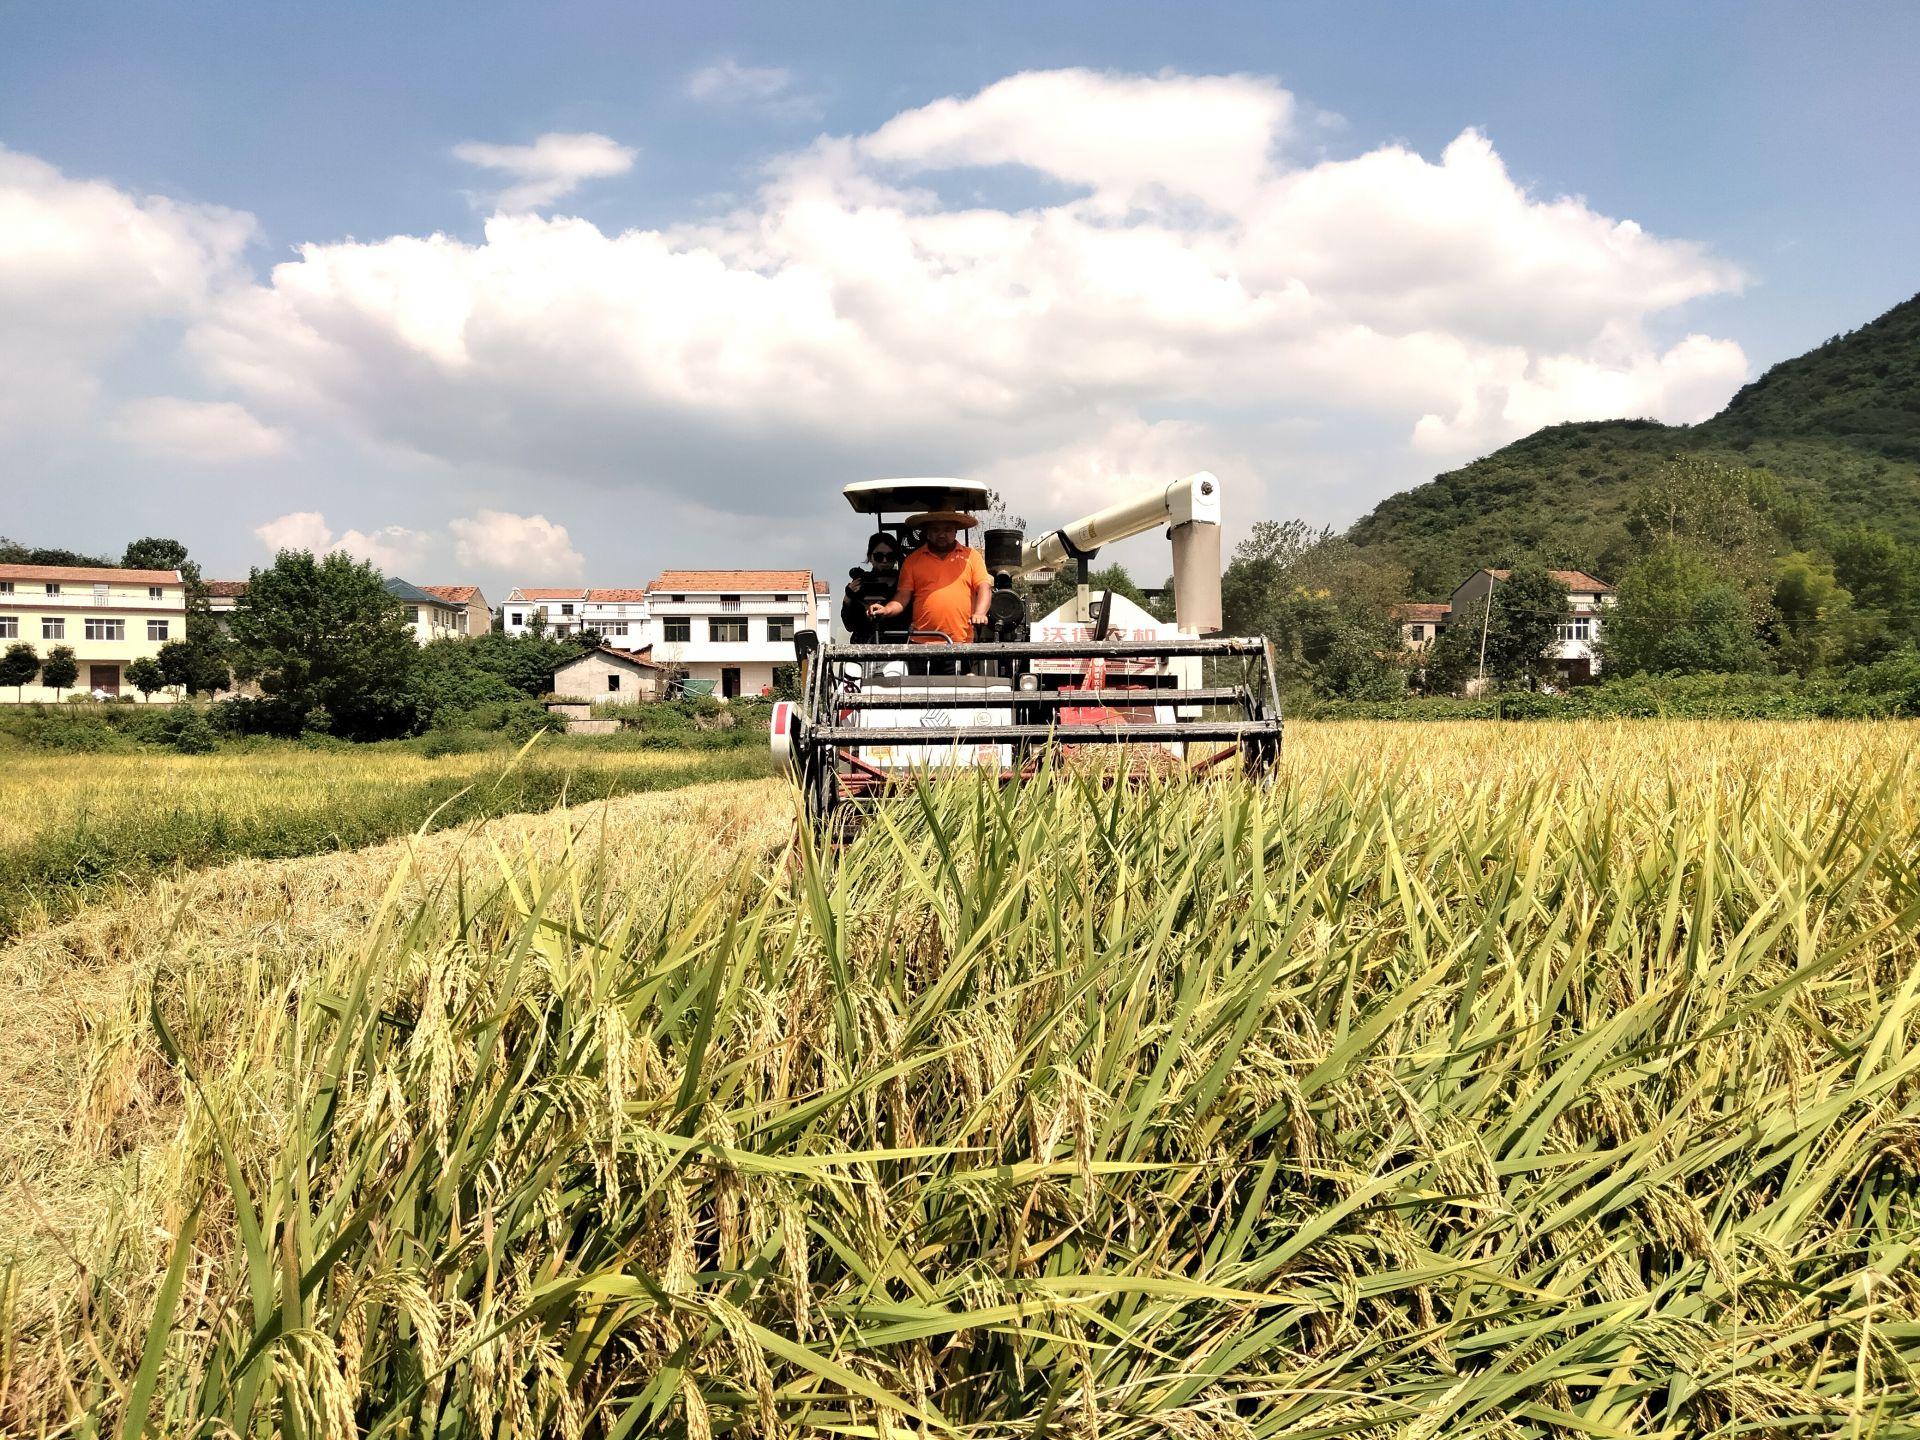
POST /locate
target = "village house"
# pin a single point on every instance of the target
(1576, 647)
(223, 598)
(732, 627)
(611, 676)
(614, 614)
(428, 616)
(109, 617)
(478, 615)
(1421, 623)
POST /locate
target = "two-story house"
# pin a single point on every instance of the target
(732, 626)
(1576, 647)
(108, 617)
(428, 616)
(477, 615)
(618, 615)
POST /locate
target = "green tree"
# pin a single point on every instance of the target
(326, 641)
(1882, 575)
(18, 666)
(155, 553)
(1676, 613)
(1326, 606)
(13, 552)
(1723, 510)
(199, 665)
(1814, 623)
(1528, 608)
(59, 669)
(146, 676)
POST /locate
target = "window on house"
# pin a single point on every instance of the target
(413, 614)
(9, 627)
(6, 587)
(156, 629)
(676, 629)
(729, 602)
(52, 628)
(726, 632)
(614, 627)
(613, 682)
(153, 592)
(1578, 628)
(1417, 632)
(98, 629)
(779, 627)
(99, 594)
(566, 609)
(517, 618)
(53, 587)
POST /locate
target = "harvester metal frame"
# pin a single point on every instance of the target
(1025, 702)
(825, 739)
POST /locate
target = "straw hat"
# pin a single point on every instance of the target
(942, 517)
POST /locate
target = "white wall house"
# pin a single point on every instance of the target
(733, 626)
(108, 617)
(619, 615)
(428, 616)
(1576, 649)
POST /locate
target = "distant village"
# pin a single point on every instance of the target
(715, 632)
(691, 632)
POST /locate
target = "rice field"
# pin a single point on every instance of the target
(1471, 1080)
(73, 827)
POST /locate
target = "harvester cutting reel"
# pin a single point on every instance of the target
(869, 720)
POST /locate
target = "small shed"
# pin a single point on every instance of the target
(611, 676)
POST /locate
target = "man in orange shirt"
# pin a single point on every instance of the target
(944, 581)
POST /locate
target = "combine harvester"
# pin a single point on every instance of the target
(1099, 671)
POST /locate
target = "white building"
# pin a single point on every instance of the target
(1576, 649)
(428, 616)
(620, 616)
(733, 626)
(106, 617)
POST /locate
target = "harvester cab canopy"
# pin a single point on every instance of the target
(911, 496)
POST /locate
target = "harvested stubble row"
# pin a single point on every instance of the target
(1563, 1086)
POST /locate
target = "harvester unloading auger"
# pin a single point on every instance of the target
(1022, 693)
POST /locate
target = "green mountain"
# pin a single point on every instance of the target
(1839, 427)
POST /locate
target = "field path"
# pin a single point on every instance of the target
(84, 1113)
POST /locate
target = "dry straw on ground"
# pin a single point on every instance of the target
(1474, 1080)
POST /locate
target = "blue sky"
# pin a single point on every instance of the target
(979, 288)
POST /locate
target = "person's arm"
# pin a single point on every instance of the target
(902, 595)
(982, 589)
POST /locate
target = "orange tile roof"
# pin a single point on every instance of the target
(549, 592)
(457, 594)
(740, 581)
(226, 589)
(603, 596)
(77, 573)
(642, 656)
(1572, 579)
(1423, 610)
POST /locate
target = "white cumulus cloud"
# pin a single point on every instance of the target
(211, 432)
(390, 549)
(1190, 280)
(85, 266)
(530, 546)
(549, 169)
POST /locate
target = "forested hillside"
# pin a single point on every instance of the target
(1838, 430)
